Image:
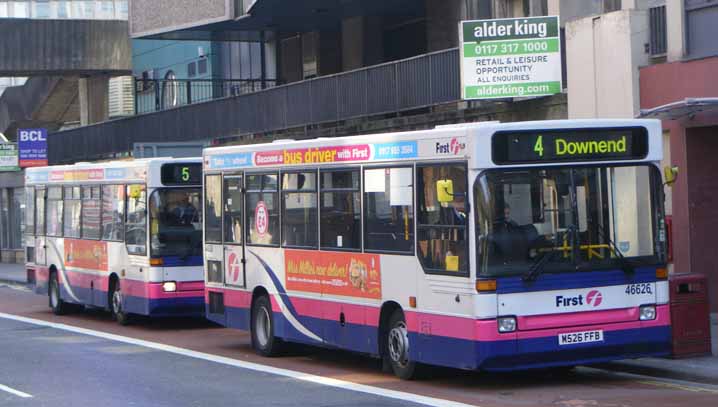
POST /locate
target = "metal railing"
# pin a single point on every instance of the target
(154, 95)
(398, 86)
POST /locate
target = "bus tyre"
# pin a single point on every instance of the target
(263, 340)
(118, 313)
(58, 306)
(397, 348)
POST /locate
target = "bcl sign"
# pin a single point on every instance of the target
(32, 144)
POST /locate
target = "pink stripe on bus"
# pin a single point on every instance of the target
(527, 323)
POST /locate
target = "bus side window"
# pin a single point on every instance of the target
(213, 208)
(113, 212)
(54, 211)
(233, 209)
(389, 210)
(40, 212)
(299, 209)
(30, 210)
(441, 230)
(340, 210)
(91, 212)
(73, 205)
(136, 221)
(262, 209)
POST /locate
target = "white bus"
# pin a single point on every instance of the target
(122, 235)
(484, 246)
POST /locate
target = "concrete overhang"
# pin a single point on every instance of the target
(64, 47)
(286, 16)
(681, 108)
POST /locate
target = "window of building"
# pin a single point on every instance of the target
(41, 9)
(657, 25)
(299, 209)
(191, 69)
(340, 210)
(106, 10)
(701, 17)
(30, 210)
(21, 9)
(233, 209)
(136, 223)
(40, 212)
(113, 212)
(213, 208)
(73, 205)
(202, 66)
(169, 90)
(63, 9)
(91, 212)
(3, 10)
(262, 209)
(388, 210)
(54, 211)
(441, 228)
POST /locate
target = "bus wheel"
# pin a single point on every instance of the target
(263, 340)
(58, 306)
(397, 351)
(118, 313)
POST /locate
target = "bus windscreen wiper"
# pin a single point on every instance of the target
(538, 266)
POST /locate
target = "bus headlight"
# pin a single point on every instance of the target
(647, 313)
(169, 286)
(507, 324)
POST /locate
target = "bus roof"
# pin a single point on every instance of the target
(109, 171)
(459, 141)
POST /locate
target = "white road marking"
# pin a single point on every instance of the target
(307, 377)
(15, 392)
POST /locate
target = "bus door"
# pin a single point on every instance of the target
(40, 241)
(233, 248)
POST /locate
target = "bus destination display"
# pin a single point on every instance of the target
(182, 174)
(522, 147)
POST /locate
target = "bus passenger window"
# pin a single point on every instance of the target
(389, 213)
(442, 246)
(113, 212)
(40, 212)
(262, 209)
(29, 210)
(299, 209)
(340, 208)
(91, 212)
(233, 210)
(72, 212)
(213, 208)
(136, 224)
(54, 211)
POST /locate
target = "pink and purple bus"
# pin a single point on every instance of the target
(124, 235)
(480, 246)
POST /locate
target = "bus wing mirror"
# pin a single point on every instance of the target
(670, 173)
(445, 190)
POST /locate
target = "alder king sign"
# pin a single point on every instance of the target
(515, 57)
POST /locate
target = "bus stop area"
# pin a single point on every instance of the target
(701, 369)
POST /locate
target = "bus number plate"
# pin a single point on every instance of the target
(573, 338)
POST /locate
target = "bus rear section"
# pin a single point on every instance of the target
(88, 231)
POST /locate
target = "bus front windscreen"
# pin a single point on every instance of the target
(547, 220)
(175, 223)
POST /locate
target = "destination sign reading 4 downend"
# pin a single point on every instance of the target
(523, 147)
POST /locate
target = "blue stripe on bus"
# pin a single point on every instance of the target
(467, 354)
(565, 281)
